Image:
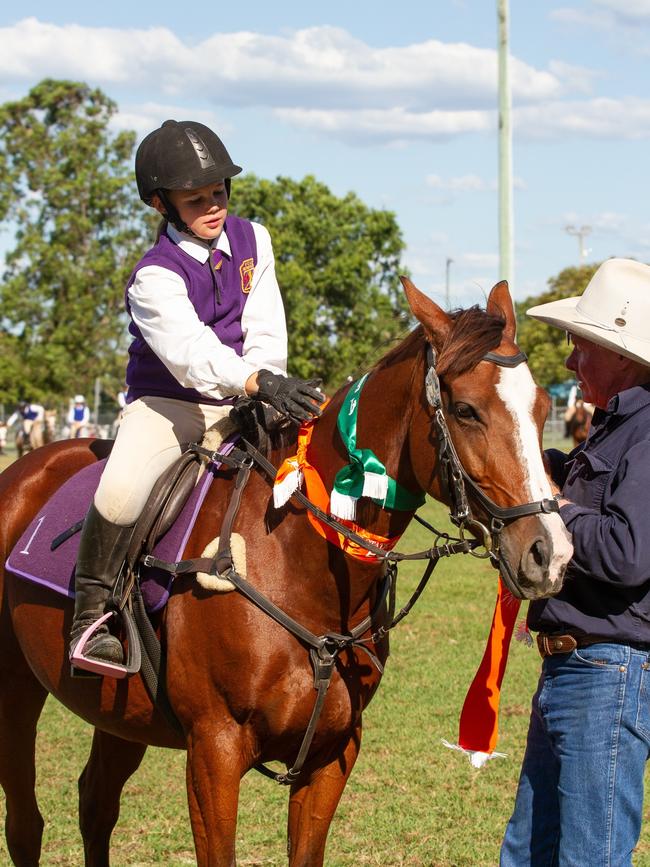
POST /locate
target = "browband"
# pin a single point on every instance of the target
(505, 360)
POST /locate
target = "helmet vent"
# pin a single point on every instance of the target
(204, 155)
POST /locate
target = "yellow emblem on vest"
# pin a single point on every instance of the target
(246, 270)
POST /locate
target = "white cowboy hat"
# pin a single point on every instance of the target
(613, 311)
(79, 398)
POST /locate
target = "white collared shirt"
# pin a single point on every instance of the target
(32, 407)
(189, 349)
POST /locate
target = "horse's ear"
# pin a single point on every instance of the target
(436, 322)
(500, 304)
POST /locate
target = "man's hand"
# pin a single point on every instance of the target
(299, 399)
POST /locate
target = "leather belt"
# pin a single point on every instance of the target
(549, 644)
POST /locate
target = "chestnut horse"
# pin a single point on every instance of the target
(579, 423)
(242, 686)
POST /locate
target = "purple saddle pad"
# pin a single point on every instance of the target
(33, 559)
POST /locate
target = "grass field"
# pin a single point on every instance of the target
(409, 802)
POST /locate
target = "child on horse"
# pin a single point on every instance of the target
(78, 417)
(30, 433)
(208, 325)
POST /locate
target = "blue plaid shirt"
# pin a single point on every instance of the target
(607, 587)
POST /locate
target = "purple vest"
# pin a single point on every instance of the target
(146, 374)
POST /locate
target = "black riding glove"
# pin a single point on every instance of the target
(299, 399)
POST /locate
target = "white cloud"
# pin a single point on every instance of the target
(323, 67)
(575, 78)
(627, 118)
(393, 125)
(600, 118)
(606, 14)
(146, 116)
(627, 10)
(323, 80)
(607, 233)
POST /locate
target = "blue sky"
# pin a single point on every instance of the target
(396, 102)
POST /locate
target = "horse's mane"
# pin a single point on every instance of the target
(474, 332)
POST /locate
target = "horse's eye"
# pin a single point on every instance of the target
(464, 411)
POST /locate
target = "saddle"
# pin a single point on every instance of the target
(167, 498)
(257, 423)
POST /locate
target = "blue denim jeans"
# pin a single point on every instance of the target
(580, 796)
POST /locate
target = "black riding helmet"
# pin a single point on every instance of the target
(181, 155)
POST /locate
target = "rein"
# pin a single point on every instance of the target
(324, 649)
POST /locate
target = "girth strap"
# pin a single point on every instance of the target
(323, 651)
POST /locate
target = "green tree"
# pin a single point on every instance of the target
(66, 187)
(337, 263)
(545, 345)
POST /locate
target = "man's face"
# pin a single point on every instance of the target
(597, 370)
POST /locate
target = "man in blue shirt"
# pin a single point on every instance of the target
(580, 794)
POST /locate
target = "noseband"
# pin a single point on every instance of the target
(459, 483)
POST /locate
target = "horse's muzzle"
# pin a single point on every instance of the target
(538, 569)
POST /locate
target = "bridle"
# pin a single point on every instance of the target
(458, 482)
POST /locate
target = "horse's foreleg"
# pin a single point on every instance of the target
(312, 805)
(110, 764)
(214, 771)
(21, 702)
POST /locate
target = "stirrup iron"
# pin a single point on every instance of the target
(108, 669)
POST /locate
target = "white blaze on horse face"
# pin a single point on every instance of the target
(517, 390)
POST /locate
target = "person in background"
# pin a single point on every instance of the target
(78, 417)
(30, 417)
(580, 794)
(207, 325)
(3, 437)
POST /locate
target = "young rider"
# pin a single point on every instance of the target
(78, 417)
(208, 325)
(31, 417)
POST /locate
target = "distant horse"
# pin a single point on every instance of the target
(579, 423)
(29, 436)
(456, 393)
(35, 434)
(49, 431)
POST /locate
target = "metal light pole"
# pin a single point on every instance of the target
(98, 386)
(447, 292)
(580, 233)
(505, 151)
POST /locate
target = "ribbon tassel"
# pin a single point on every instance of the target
(343, 506)
(283, 489)
(375, 485)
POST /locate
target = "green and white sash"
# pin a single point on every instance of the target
(364, 475)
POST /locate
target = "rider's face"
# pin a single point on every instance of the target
(203, 210)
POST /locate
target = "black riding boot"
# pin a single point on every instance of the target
(102, 549)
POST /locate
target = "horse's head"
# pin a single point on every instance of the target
(493, 413)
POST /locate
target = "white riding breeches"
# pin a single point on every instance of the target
(151, 436)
